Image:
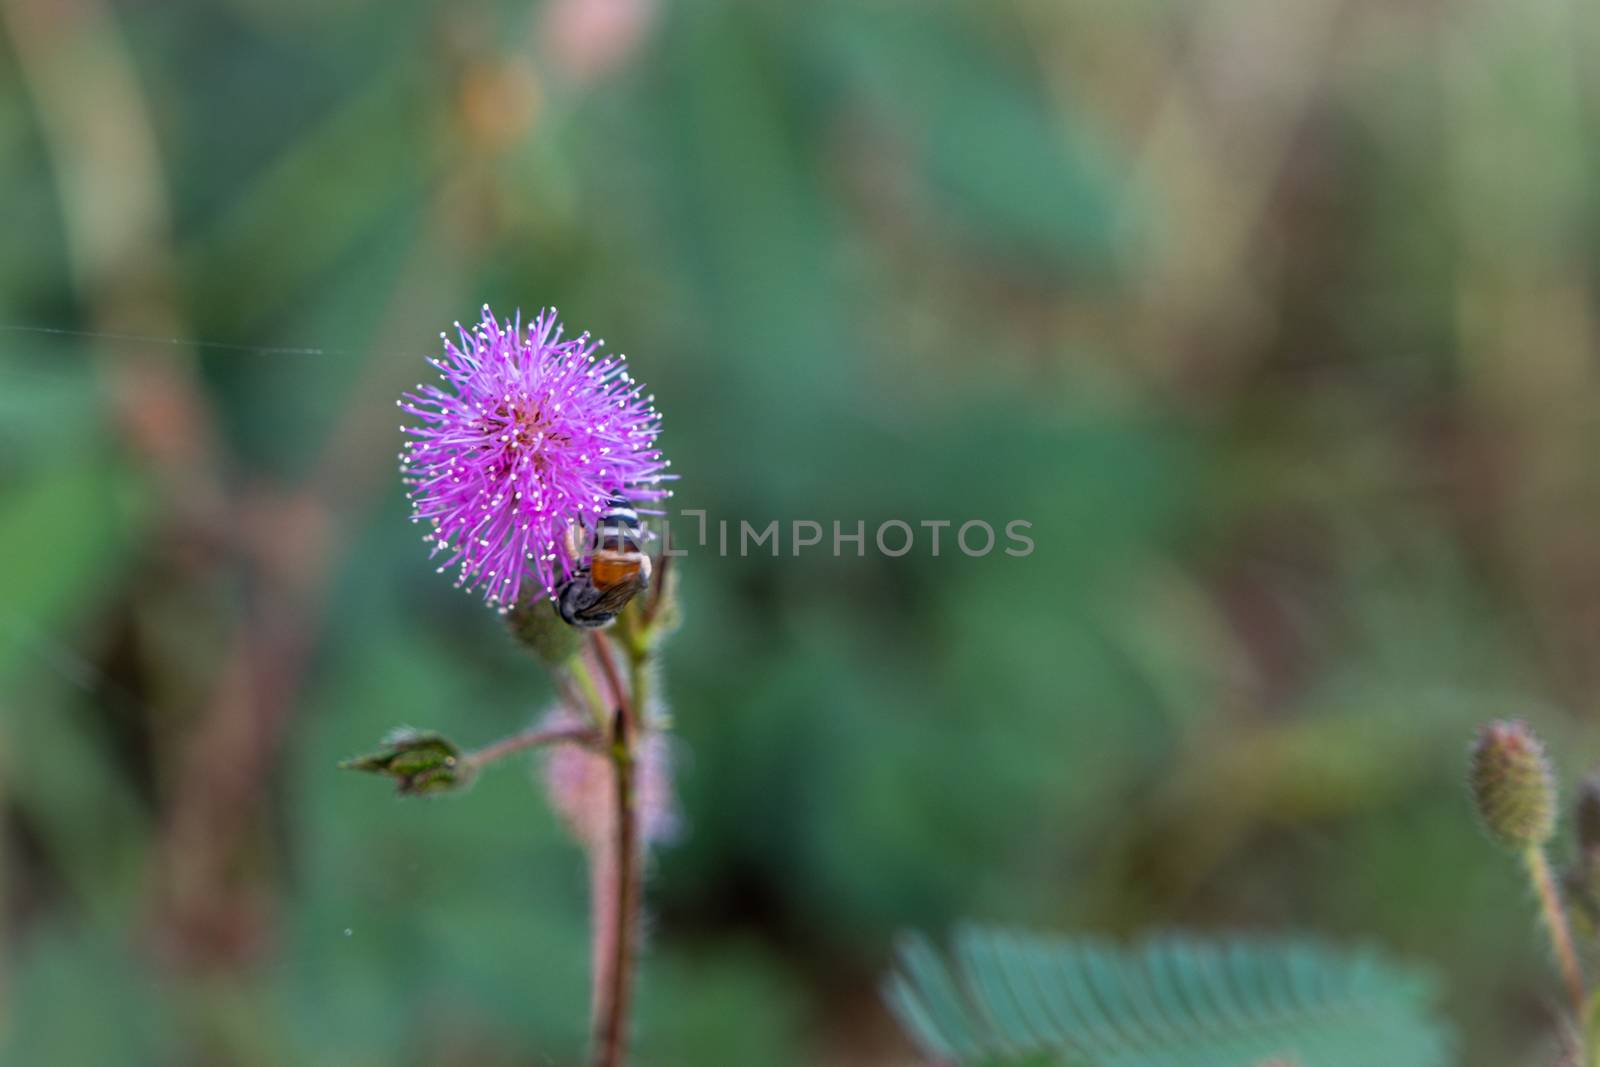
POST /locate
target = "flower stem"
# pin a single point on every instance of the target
(612, 1022)
(635, 640)
(616, 980)
(591, 695)
(1555, 924)
(602, 652)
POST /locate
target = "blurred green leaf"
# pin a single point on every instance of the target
(66, 531)
(734, 1003)
(82, 997)
(1020, 172)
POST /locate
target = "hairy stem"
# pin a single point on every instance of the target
(619, 915)
(596, 704)
(602, 653)
(1555, 924)
(611, 1031)
(635, 640)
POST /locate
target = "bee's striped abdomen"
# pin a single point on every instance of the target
(619, 527)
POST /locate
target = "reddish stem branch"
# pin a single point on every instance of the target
(532, 738)
(613, 680)
(1555, 922)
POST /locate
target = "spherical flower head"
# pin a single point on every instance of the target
(1512, 785)
(527, 436)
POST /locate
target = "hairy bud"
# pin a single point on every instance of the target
(420, 762)
(1512, 785)
(537, 627)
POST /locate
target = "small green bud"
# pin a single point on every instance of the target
(1512, 785)
(537, 627)
(420, 762)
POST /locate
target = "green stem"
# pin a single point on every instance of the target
(1555, 924)
(637, 647)
(591, 695)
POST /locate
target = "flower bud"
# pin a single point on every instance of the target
(420, 761)
(537, 627)
(1512, 785)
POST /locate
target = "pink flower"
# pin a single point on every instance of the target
(529, 435)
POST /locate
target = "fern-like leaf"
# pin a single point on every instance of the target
(1016, 998)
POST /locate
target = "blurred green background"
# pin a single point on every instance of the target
(1277, 319)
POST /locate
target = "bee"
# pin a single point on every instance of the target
(612, 573)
